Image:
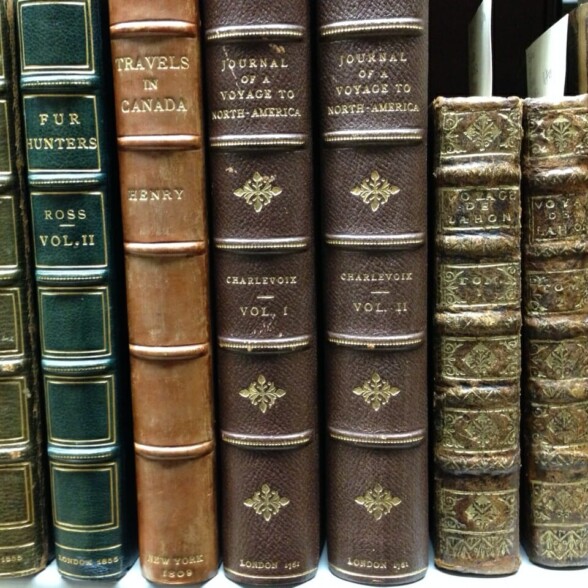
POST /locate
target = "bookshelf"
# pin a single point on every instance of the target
(528, 576)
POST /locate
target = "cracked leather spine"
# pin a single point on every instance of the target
(555, 332)
(373, 115)
(477, 324)
(258, 81)
(157, 81)
(66, 94)
(24, 533)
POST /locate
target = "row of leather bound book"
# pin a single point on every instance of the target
(237, 404)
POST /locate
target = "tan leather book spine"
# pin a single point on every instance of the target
(477, 325)
(259, 114)
(373, 115)
(157, 81)
(555, 425)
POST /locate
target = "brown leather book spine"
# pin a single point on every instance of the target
(156, 67)
(24, 491)
(373, 84)
(258, 82)
(555, 425)
(477, 325)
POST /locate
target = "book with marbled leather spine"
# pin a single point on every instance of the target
(477, 325)
(24, 524)
(156, 67)
(258, 68)
(373, 115)
(69, 147)
(555, 333)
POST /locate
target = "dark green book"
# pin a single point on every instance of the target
(66, 94)
(24, 530)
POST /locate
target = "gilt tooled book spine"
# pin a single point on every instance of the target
(555, 279)
(157, 67)
(477, 324)
(24, 528)
(258, 68)
(373, 111)
(64, 67)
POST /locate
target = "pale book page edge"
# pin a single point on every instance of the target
(480, 51)
(546, 62)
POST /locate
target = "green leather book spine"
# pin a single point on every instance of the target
(66, 93)
(24, 531)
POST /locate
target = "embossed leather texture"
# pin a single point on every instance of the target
(157, 80)
(24, 524)
(258, 83)
(373, 116)
(477, 340)
(555, 393)
(70, 144)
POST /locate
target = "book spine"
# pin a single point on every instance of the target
(157, 82)
(373, 114)
(555, 200)
(24, 531)
(258, 64)
(69, 146)
(477, 325)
